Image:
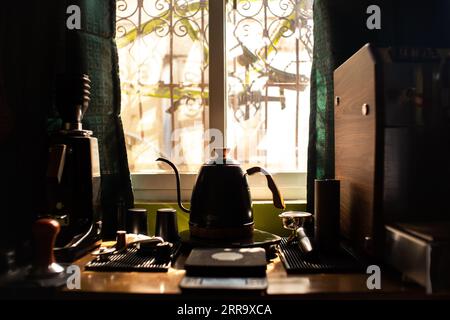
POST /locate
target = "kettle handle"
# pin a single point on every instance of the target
(177, 176)
(278, 200)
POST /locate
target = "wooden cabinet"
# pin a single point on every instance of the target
(392, 138)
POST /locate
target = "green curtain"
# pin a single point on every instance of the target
(321, 147)
(339, 31)
(92, 50)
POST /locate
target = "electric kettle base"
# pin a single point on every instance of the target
(259, 238)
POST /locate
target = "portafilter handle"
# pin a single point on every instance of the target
(303, 241)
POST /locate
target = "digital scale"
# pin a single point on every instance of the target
(240, 269)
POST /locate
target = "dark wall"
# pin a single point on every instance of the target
(403, 23)
(28, 55)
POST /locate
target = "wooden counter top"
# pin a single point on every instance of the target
(165, 284)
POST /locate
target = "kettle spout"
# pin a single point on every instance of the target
(177, 176)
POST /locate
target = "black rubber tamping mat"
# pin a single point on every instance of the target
(296, 262)
(131, 261)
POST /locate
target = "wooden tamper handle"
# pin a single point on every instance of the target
(44, 233)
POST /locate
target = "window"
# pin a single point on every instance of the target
(165, 54)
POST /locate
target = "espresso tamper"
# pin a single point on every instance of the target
(45, 271)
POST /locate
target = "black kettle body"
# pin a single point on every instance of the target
(221, 205)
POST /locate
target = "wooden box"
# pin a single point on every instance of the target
(392, 138)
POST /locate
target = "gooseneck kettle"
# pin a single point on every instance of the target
(221, 206)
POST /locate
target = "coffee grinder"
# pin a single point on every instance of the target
(73, 173)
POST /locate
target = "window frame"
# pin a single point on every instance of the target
(161, 187)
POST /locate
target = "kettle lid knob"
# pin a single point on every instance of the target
(222, 157)
(222, 152)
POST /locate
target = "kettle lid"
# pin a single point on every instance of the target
(222, 158)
